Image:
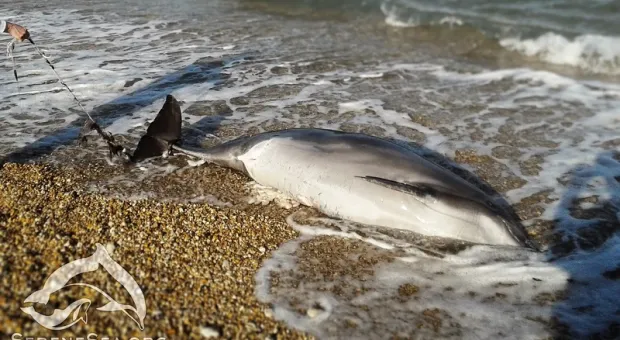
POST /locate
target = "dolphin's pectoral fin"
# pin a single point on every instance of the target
(428, 194)
(422, 191)
(162, 133)
(428, 191)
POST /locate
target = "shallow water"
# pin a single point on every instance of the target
(526, 95)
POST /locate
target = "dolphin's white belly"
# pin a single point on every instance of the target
(327, 181)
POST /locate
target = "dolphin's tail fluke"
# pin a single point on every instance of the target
(162, 133)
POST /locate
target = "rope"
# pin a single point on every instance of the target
(114, 147)
(47, 60)
(10, 47)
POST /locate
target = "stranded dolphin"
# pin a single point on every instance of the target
(355, 177)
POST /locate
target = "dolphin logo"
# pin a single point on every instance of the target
(78, 309)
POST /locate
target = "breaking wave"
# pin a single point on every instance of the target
(594, 53)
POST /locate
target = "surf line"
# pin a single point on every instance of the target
(114, 147)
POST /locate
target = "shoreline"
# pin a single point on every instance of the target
(195, 263)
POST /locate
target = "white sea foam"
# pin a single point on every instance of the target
(461, 295)
(466, 13)
(451, 21)
(392, 17)
(597, 109)
(592, 53)
(260, 194)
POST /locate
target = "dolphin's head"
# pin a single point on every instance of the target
(518, 232)
(500, 225)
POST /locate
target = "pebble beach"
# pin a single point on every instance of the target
(195, 263)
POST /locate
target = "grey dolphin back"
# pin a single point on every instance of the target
(162, 133)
